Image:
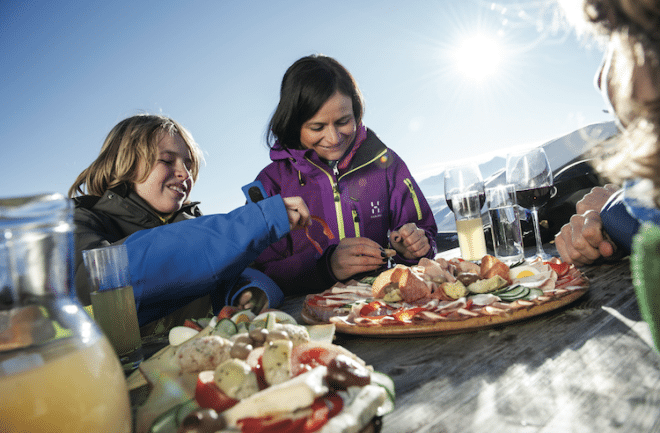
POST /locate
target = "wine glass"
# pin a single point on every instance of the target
(531, 174)
(464, 193)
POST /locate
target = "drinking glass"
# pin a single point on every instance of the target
(531, 174)
(505, 224)
(464, 193)
(113, 303)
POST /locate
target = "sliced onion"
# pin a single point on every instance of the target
(180, 334)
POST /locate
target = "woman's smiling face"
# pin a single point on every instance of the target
(168, 185)
(332, 129)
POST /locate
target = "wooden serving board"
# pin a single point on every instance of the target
(447, 327)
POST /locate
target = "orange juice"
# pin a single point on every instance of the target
(79, 389)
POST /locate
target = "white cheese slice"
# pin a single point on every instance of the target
(297, 393)
(360, 406)
(277, 361)
(236, 379)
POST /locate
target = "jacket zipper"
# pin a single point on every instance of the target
(409, 184)
(337, 197)
(356, 222)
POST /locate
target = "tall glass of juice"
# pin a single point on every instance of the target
(113, 303)
(464, 193)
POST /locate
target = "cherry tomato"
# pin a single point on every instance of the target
(559, 268)
(323, 409)
(259, 371)
(307, 356)
(313, 357)
(271, 425)
(209, 396)
(227, 312)
(190, 324)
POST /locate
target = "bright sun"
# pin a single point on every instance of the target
(478, 57)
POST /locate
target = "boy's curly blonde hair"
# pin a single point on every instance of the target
(131, 143)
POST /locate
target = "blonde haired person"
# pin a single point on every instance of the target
(137, 188)
(625, 219)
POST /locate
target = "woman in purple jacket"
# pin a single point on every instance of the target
(347, 176)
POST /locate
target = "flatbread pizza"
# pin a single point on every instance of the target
(446, 296)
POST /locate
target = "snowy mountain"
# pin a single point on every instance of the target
(560, 151)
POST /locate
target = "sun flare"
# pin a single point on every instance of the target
(478, 57)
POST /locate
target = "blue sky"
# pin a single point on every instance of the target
(72, 69)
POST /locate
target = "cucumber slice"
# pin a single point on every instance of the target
(171, 419)
(225, 328)
(506, 289)
(517, 293)
(242, 327)
(534, 293)
(204, 322)
(257, 324)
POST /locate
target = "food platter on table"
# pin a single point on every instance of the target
(238, 372)
(443, 296)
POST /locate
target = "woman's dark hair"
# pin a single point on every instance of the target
(306, 86)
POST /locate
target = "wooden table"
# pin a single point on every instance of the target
(588, 367)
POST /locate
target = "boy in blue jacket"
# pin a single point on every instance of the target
(138, 187)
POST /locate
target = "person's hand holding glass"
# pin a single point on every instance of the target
(464, 192)
(531, 174)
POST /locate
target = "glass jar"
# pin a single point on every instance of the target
(58, 372)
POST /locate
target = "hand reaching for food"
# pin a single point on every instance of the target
(410, 241)
(297, 212)
(253, 299)
(356, 255)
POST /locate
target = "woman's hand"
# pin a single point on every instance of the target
(410, 241)
(297, 212)
(354, 256)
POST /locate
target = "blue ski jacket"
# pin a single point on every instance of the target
(188, 257)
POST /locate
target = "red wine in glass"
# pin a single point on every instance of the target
(533, 197)
(482, 200)
(531, 174)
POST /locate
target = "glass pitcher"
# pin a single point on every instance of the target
(58, 372)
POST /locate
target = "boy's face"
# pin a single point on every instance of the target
(168, 185)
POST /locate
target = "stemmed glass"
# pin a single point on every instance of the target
(531, 174)
(464, 193)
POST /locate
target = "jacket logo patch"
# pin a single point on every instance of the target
(375, 210)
